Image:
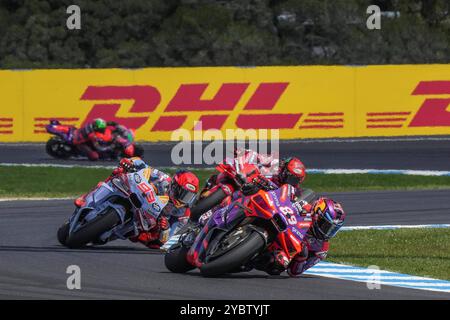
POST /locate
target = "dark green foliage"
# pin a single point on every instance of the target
(140, 33)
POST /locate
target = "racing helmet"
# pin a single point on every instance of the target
(99, 125)
(328, 218)
(183, 188)
(292, 171)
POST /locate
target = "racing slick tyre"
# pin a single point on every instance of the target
(238, 256)
(56, 148)
(205, 204)
(93, 229)
(175, 260)
(63, 233)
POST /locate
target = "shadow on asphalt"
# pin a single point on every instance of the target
(244, 275)
(96, 250)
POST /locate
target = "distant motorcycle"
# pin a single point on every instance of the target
(61, 146)
(118, 209)
(236, 236)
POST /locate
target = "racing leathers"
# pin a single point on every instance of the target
(275, 261)
(120, 137)
(170, 217)
(91, 142)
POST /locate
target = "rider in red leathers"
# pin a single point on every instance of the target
(90, 139)
(119, 132)
(181, 191)
(273, 175)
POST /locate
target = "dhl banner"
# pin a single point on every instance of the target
(302, 102)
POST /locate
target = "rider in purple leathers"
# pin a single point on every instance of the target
(328, 217)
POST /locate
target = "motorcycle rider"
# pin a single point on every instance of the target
(90, 139)
(181, 190)
(120, 135)
(290, 171)
(327, 218)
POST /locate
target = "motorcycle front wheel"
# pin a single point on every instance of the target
(175, 260)
(93, 229)
(63, 233)
(235, 254)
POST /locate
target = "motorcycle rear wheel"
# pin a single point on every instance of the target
(54, 148)
(175, 260)
(93, 229)
(238, 256)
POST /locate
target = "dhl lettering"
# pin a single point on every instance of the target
(189, 98)
(169, 123)
(433, 112)
(211, 122)
(146, 99)
(266, 96)
(267, 121)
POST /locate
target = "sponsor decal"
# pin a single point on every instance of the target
(226, 189)
(137, 178)
(156, 207)
(190, 187)
(414, 100)
(6, 126)
(434, 111)
(187, 99)
(297, 232)
(304, 224)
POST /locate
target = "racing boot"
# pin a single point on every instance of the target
(273, 263)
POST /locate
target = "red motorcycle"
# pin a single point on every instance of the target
(233, 174)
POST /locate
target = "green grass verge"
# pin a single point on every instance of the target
(62, 182)
(422, 252)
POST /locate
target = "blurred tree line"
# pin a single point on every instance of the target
(139, 33)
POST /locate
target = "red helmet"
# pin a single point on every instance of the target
(183, 188)
(292, 171)
(328, 218)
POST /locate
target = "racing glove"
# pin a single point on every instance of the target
(264, 183)
(164, 232)
(249, 188)
(127, 165)
(163, 222)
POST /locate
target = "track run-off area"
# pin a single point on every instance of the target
(33, 264)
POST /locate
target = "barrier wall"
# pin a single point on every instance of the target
(303, 102)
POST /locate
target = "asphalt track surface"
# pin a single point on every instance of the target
(33, 264)
(416, 153)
